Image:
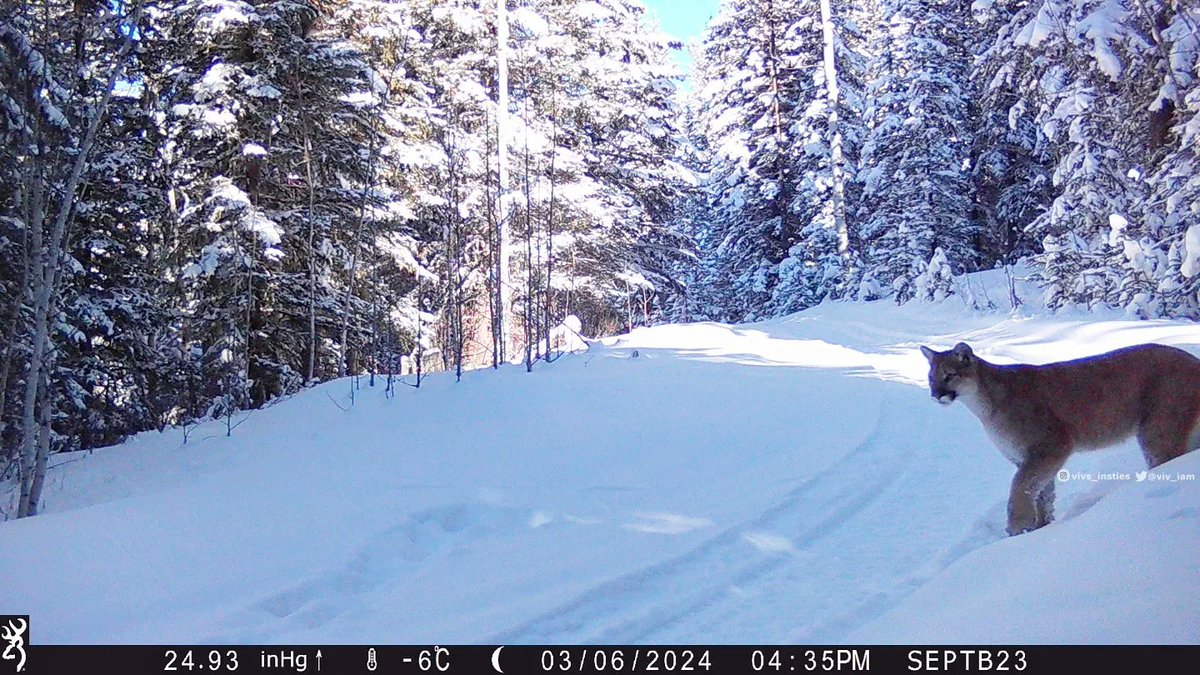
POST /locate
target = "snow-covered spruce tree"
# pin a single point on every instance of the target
(461, 42)
(264, 139)
(539, 60)
(751, 69)
(694, 301)
(120, 368)
(1077, 101)
(1161, 249)
(827, 121)
(915, 182)
(394, 43)
(205, 94)
(60, 64)
(1011, 157)
(625, 126)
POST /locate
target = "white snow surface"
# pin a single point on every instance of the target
(790, 481)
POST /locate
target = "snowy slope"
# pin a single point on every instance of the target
(789, 481)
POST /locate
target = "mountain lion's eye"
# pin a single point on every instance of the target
(949, 376)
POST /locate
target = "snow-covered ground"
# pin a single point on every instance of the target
(789, 481)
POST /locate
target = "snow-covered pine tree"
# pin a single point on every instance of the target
(462, 45)
(393, 40)
(1011, 157)
(119, 367)
(826, 119)
(1170, 213)
(60, 64)
(750, 89)
(1160, 252)
(1074, 98)
(626, 128)
(265, 139)
(916, 188)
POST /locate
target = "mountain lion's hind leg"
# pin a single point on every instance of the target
(1031, 480)
(1165, 434)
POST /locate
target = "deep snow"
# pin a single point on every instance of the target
(788, 481)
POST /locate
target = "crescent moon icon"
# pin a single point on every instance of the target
(496, 659)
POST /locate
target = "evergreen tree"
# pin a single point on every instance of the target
(827, 121)
(751, 77)
(915, 184)
(1011, 157)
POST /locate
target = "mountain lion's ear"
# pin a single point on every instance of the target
(963, 351)
(927, 352)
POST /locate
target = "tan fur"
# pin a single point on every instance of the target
(1037, 415)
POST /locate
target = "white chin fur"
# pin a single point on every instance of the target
(945, 399)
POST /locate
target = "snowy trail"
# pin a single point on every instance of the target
(788, 481)
(631, 608)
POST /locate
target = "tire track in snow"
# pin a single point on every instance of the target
(882, 553)
(986, 530)
(420, 539)
(631, 607)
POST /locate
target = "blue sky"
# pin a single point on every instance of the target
(684, 19)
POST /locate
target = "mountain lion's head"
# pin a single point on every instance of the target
(951, 373)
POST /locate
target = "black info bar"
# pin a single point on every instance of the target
(533, 660)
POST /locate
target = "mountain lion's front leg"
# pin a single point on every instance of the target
(1033, 476)
(1045, 504)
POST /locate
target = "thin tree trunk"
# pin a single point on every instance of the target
(26, 451)
(43, 455)
(358, 228)
(452, 344)
(456, 308)
(527, 188)
(550, 224)
(628, 308)
(420, 350)
(502, 264)
(38, 268)
(312, 263)
(493, 286)
(247, 398)
(47, 276)
(13, 322)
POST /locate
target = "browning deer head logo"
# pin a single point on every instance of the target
(16, 642)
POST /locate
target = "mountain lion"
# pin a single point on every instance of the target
(1037, 415)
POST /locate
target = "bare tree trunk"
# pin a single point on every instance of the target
(456, 308)
(452, 344)
(550, 225)
(246, 400)
(420, 350)
(503, 290)
(26, 451)
(493, 224)
(527, 188)
(43, 455)
(312, 263)
(628, 308)
(358, 228)
(571, 286)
